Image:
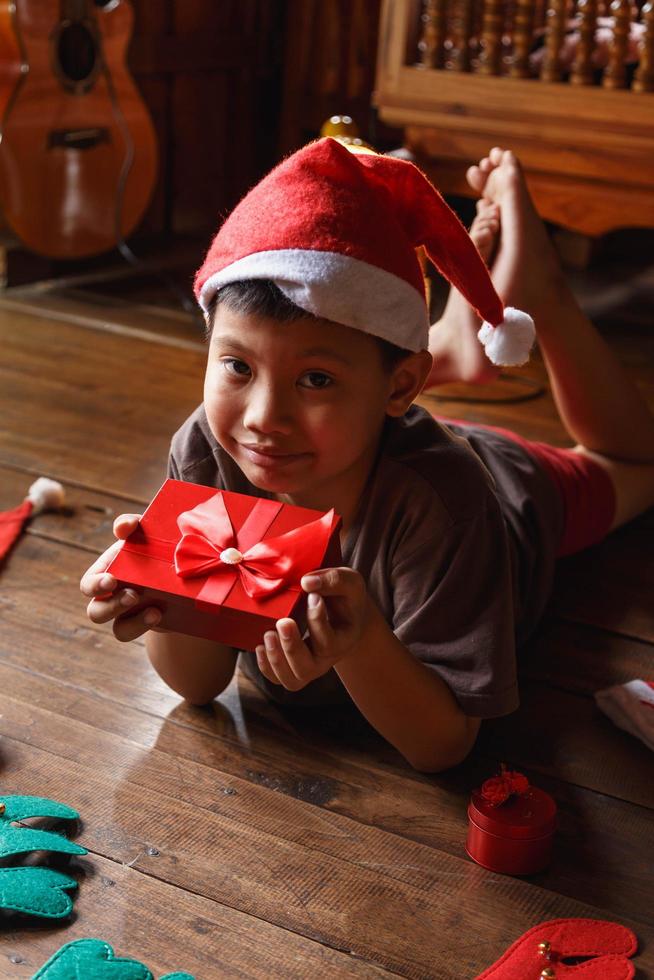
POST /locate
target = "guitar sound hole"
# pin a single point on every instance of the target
(76, 52)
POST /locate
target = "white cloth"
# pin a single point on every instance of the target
(631, 707)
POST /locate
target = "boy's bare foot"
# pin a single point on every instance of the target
(453, 343)
(526, 269)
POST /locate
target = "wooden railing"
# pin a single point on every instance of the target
(566, 84)
(587, 42)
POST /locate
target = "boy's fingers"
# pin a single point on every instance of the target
(102, 610)
(334, 581)
(125, 524)
(130, 627)
(93, 581)
(294, 649)
(277, 660)
(264, 665)
(322, 635)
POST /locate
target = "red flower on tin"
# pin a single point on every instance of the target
(498, 789)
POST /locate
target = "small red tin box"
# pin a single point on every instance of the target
(222, 565)
(513, 837)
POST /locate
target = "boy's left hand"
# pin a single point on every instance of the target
(336, 626)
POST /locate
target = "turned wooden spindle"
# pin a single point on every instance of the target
(490, 59)
(523, 29)
(433, 34)
(615, 73)
(644, 77)
(582, 69)
(551, 70)
(461, 33)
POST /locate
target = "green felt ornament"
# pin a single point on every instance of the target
(23, 807)
(36, 891)
(31, 889)
(94, 959)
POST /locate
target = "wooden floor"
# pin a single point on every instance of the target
(241, 841)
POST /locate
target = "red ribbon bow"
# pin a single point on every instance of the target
(210, 546)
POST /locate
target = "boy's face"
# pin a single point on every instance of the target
(298, 405)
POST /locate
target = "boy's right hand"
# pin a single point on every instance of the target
(107, 603)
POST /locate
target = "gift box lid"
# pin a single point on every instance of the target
(531, 814)
(147, 557)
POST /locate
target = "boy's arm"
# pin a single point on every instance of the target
(199, 670)
(406, 701)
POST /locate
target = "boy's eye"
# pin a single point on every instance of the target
(315, 379)
(234, 366)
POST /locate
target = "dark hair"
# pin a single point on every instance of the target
(263, 298)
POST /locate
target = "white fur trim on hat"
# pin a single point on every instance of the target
(336, 287)
(508, 344)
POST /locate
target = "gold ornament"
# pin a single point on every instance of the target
(547, 973)
(544, 949)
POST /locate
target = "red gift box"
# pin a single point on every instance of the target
(514, 837)
(222, 565)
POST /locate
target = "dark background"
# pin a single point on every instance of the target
(233, 85)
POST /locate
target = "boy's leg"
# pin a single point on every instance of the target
(453, 343)
(599, 405)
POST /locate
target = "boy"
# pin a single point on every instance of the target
(449, 534)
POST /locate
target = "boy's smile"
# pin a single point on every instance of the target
(299, 405)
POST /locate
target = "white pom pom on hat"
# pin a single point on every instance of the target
(509, 342)
(44, 494)
(336, 230)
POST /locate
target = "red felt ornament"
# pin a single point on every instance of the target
(540, 952)
(43, 495)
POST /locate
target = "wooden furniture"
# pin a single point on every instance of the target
(461, 76)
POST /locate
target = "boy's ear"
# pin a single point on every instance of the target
(407, 379)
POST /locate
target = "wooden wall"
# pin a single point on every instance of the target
(329, 68)
(235, 84)
(210, 73)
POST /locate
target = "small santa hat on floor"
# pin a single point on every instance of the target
(44, 494)
(336, 229)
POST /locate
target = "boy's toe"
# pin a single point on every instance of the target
(475, 178)
(496, 155)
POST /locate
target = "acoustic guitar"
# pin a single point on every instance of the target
(78, 153)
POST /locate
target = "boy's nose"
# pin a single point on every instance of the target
(267, 409)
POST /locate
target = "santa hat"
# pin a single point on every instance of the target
(336, 229)
(44, 494)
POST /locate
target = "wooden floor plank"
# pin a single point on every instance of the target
(338, 882)
(567, 736)
(170, 929)
(101, 413)
(584, 659)
(349, 783)
(86, 520)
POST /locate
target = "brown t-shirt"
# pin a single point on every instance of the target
(456, 537)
